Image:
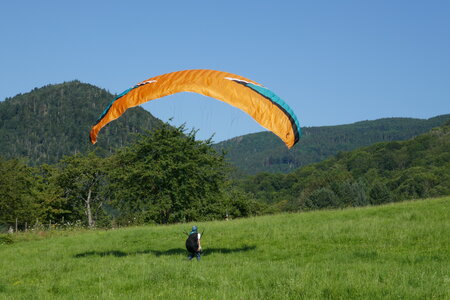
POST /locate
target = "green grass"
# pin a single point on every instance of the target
(397, 251)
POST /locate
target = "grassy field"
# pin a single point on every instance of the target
(397, 251)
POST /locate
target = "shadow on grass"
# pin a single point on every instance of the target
(174, 251)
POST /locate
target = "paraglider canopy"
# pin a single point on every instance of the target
(269, 110)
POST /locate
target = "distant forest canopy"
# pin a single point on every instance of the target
(264, 152)
(381, 173)
(49, 122)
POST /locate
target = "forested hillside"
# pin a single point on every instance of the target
(168, 176)
(49, 122)
(381, 173)
(264, 152)
(165, 175)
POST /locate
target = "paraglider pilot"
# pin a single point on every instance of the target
(193, 245)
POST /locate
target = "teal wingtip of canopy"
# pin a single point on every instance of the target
(278, 101)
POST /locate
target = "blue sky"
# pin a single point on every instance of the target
(333, 62)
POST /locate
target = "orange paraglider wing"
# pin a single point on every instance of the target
(260, 103)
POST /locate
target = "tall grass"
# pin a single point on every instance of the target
(394, 251)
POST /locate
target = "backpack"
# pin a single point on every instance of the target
(192, 242)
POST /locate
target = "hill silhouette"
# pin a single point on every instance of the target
(50, 122)
(264, 152)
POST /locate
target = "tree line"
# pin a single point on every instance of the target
(381, 173)
(168, 176)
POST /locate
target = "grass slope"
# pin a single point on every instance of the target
(393, 251)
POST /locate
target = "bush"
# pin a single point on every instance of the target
(6, 239)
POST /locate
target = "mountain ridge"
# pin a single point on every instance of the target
(49, 122)
(264, 152)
